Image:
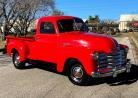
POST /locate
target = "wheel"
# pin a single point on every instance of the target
(16, 61)
(76, 73)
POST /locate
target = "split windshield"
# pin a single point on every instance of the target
(69, 25)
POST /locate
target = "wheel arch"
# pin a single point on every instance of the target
(86, 62)
(21, 49)
(14, 50)
(66, 64)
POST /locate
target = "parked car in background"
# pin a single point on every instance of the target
(125, 31)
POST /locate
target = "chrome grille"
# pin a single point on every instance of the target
(116, 59)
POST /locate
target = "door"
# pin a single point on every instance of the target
(46, 43)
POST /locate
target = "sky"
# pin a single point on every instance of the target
(105, 9)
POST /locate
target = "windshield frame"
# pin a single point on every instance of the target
(74, 25)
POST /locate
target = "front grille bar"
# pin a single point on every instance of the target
(115, 59)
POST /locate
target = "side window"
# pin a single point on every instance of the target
(47, 28)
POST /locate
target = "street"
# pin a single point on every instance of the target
(39, 82)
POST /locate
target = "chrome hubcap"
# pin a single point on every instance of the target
(77, 73)
(17, 59)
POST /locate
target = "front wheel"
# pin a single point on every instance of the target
(16, 61)
(77, 74)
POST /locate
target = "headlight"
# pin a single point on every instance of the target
(96, 56)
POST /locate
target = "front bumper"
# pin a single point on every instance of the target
(113, 72)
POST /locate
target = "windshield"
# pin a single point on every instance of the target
(68, 25)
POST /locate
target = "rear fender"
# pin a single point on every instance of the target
(20, 47)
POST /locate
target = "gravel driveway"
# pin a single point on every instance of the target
(42, 82)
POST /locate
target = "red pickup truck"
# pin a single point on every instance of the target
(66, 42)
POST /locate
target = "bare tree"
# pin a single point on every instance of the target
(10, 10)
(1, 17)
(30, 10)
(57, 12)
(18, 14)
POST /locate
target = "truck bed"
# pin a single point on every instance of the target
(21, 38)
(28, 42)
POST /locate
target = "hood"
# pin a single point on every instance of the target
(95, 42)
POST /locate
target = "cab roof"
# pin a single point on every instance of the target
(55, 18)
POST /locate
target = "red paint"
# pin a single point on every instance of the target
(59, 47)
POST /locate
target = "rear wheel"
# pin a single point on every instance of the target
(16, 61)
(76, 73)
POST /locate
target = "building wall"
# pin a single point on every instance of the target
(123, 25)
(125, 19)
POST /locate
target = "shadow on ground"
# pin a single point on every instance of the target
(126, 78)
(122, 79)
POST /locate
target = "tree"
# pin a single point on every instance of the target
(57, 12)
(10, 10)
(97, 19)
(18, 14)
(109, 23)
(93, 20)
(30, 10)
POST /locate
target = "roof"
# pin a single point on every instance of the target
(129, 17)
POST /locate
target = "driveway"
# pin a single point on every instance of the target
(42, 82)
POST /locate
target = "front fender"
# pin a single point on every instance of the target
(83, 55)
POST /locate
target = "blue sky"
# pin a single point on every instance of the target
(106, 9)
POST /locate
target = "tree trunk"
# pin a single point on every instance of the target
(5, 31)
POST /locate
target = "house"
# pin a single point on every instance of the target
(126, 20)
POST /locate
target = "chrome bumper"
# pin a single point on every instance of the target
(114, 72)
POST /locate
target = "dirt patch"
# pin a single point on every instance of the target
(135, 48)
(2, 44)
(135, 35)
